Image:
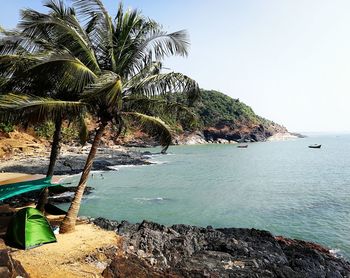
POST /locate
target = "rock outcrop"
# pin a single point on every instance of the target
(241, 132)
(9, 267)
(154, 250)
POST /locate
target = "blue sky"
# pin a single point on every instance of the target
(289, 60)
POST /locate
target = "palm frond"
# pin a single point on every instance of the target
(106, 91)
(20, 108)
(12, 67)
(151, 125)
(163, 44)
(65, 71)
(103, 35)
(11, 63)
(163, 84)
(150, 43)
(62, 30)
(160, 107)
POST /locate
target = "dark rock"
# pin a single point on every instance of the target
(73, 163)
(10, 267)
(131, 266)
(189, 251)
(109, 225)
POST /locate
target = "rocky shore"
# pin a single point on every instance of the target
(121, 249)
(224, 136)
(153, 250)
(72, 160)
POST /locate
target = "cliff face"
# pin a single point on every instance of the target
(241, 132)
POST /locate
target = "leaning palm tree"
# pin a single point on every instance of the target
(115, 64)
(31, 98)
(32, 95)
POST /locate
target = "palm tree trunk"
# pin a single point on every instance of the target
(55, 149)
(68, 223)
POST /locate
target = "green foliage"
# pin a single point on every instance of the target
(70, 133)
(83, 131)
(215, 106)
(45, 130)
(6, 127)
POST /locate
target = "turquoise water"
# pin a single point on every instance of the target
(283, 187)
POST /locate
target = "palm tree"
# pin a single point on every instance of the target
(116, 66)
(18, 54)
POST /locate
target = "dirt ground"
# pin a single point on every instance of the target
(77, 254)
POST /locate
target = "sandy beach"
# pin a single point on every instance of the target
(77, 254)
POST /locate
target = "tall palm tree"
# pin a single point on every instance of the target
(116, 64)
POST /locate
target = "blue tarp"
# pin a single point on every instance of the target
(13, 189)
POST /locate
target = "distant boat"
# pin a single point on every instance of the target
(315, 146)
(242, 146)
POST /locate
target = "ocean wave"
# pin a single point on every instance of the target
(117, 167)
(336, 252)
(154, 200)
(157, 162)
(62, 195)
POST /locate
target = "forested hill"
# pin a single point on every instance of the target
(221, 116)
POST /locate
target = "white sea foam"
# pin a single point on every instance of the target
(157, 162)
(335, 252)
(153, 162)
(117, 167)
(156, 199)
(62, 195)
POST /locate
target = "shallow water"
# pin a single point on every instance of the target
(283, 187)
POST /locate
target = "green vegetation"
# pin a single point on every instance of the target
(47, 130)
(6, 127)
(215, 106)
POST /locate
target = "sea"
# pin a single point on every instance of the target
(283, 187)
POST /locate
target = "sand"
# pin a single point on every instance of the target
(71, 255)
(6, 178)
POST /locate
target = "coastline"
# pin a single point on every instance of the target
(198, 138)
(156, 250)
(72, 158)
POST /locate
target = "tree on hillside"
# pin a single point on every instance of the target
(118, 65)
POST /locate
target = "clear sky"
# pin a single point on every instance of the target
(289, 60)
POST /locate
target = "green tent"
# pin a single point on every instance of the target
(29, 228)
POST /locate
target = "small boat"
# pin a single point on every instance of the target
(242, 146)
(315, 146)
